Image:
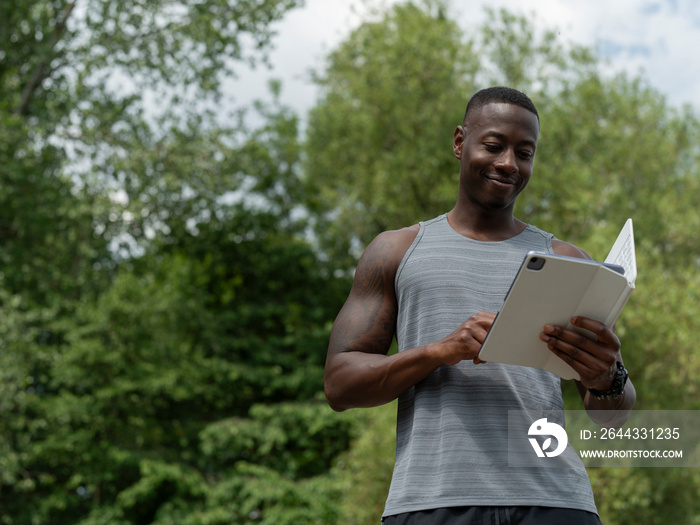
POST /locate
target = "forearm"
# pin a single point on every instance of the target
(357, 379)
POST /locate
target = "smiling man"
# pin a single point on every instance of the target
(436, 286)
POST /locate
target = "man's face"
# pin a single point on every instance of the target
(496, 148)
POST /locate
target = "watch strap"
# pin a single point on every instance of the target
(618, 385)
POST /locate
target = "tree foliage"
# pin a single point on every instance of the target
(380, 127)
(164, 320)
(116, 100)
(174, 388)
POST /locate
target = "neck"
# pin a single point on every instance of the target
(485, 225)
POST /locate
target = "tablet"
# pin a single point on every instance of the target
(551, 289)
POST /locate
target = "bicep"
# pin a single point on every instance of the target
(365, 324)
(367, 321)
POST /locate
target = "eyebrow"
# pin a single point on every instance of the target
(501, 136)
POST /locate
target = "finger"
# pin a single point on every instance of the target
(605, 335)
(490, 316)
(485, 319)
(576, 357)
(479, 325)
(571, 336)
(480, 338)
(591, 366)
(574, 348)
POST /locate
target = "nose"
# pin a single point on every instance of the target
(506, 161)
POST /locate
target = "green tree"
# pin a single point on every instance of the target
(97, 99)
(162, 342)
(188, 392)
(388, 93)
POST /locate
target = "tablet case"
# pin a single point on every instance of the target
(551, 289)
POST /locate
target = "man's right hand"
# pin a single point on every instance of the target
(465, 342)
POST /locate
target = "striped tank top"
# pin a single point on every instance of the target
(451, 442)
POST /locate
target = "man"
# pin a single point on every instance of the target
(436, 286)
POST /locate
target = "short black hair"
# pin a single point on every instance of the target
(502, 95)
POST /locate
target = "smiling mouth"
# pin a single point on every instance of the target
(502, 182)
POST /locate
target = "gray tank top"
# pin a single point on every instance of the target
(451, 443)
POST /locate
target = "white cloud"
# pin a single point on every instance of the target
(656, 37)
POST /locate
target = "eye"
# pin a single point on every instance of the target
(492, 147)
(525, 154)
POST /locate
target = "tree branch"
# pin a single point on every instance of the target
(42, 70)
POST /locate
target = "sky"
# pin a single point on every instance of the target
(655, 38)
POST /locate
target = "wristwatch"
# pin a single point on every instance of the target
(618, 385)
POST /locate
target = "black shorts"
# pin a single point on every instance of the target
(495, 516)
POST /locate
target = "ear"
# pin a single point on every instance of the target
(458, 141)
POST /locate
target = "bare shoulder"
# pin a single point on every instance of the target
(564, 248)
(367, 321)
(388, 248)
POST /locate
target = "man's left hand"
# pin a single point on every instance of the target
(593, 355)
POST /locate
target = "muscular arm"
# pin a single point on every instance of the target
(593, 359)
(358, 372)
